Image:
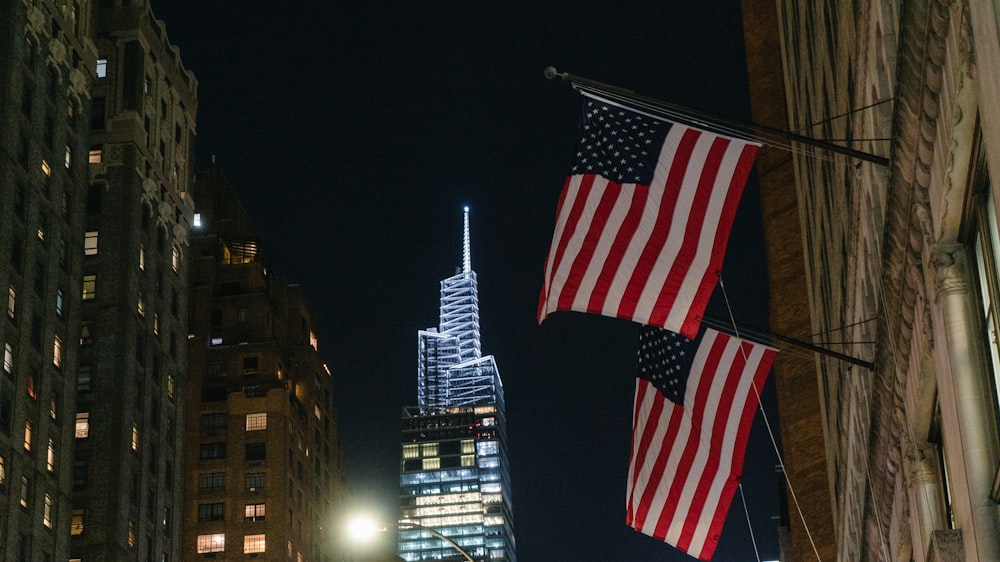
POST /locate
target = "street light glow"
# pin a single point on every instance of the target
(362, 528)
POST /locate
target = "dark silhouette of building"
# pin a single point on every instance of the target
(46, 62)
(127, 485)
(263, 461)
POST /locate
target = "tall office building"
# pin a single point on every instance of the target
(454, 472)
(46, 60)
(126, 473)
(263, 461)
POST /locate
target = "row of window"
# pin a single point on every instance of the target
(216, 482)
(214, 451)
(216, 542)
(217, 512)
(217, 421)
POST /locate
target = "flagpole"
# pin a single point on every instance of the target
(710, 118)
(722, 323)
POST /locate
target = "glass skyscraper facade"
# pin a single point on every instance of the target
(454, 470)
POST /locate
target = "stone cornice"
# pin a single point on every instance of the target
(921, 99)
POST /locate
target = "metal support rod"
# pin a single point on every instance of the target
(407, 524)
(710, 118)
(722, 323)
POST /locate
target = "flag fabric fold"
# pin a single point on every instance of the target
(694, 404)
(643, 219)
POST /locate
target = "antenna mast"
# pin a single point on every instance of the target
(466, 246)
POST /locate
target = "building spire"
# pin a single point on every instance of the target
(466, 246)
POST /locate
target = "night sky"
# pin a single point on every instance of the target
(355, 133)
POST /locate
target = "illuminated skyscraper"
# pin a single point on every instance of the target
(454, 471)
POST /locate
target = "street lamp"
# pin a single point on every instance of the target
(365, 529)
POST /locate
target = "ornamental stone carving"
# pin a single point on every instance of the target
(950, 269)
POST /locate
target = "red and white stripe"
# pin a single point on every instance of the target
(651, 254)
(686, 461)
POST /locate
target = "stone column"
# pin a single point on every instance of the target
(966, 408)
(926, 507)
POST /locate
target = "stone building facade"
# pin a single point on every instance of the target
(46, 57)
(263, 461)
(899, 261)
(134, 288)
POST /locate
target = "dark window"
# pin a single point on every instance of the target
(250, 365)
(255, 451)
(255, 482)
(214, 421)
(217, 317)
(211, 512)
(213, 481)
(97, 114)
(94, 199)
(210, 451)
(79, 474)
(213, 393)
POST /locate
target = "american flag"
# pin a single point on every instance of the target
(643, 219)
(694, 404)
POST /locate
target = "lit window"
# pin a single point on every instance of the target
(3, 473)
(46, 169)
(59, 302)
(135, 437)
(468, 446)
(216, 341)
(257, 421)
(253, 543)
(95, 156)
(69, 157)
(89, 287)
(131, 534)
(140, 305)
(27, 435)
(82, 425)
(76, 522)
(142, 257)
(317, 412)
(57, 351)
(32, 390)
(47, 512)
(429, 449)
(11, 302)
(433, 463)
(170, 386)
(312, 340)
(411, 451)
(175, 260)
(156, 324)
(254, 512)
(211, 543)
(90, 243)
(102, 68)
(8, 359)
(468, 460)
(25, 492)
(196, 222)
(50, 457)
